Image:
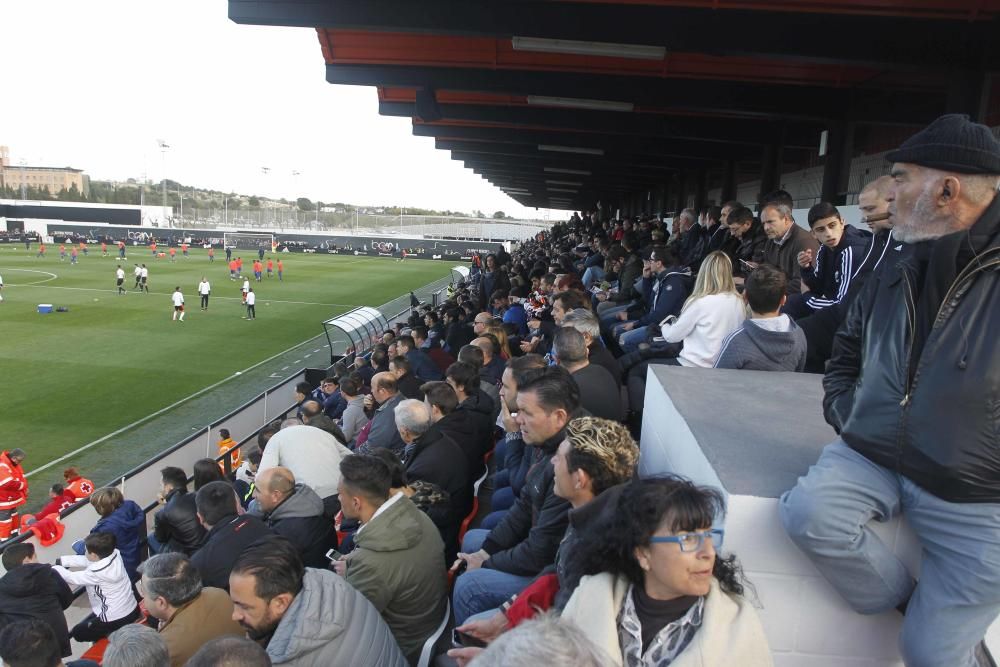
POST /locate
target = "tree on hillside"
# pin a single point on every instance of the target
(304, 204)
(253, 202)
(499, 215)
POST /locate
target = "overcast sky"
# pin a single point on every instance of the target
(93, 85)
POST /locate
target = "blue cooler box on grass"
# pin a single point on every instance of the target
(45, 307)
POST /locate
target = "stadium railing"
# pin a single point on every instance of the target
(141, 484)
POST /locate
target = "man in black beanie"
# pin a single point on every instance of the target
(919, 427)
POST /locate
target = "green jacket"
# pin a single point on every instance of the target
(398, 564)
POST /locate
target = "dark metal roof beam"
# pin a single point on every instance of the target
(889, 41)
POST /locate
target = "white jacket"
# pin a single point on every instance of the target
(704, 326)
(108, 585)
(730, 632)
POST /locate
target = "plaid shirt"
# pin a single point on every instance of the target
(668, 643)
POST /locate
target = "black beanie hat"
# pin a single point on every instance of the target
(952, 143)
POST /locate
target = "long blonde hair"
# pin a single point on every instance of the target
(501, 335)
(714, 277)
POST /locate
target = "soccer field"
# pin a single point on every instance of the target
(71, 378)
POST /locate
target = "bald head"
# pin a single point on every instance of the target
(383, 386)
(486, 345)
(272, 486)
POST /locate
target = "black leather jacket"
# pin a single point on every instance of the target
(934, 419)
(176, 526)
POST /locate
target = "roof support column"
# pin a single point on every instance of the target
(770, 172)
(701, 189)
(969, 92)
(680, 200)
(728, 182)
(836, 169)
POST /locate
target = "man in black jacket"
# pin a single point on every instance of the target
(295, 512)
(229, 534)
(176, 526)
(504, 560)
(430, 455)
(31, 589)
(918, 435)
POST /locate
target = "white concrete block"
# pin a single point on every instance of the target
(755, 534)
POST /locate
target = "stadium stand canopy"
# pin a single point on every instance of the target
(646, 104)
(354, 331)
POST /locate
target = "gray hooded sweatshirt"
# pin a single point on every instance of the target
(764, 348)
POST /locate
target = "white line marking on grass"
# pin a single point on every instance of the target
(317, 349)
(51, 275)
(297, 361)
(228, 298)
(284, 368)
(159, 412)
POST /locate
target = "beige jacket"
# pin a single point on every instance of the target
(730, 633)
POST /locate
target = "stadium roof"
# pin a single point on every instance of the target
(562, 103)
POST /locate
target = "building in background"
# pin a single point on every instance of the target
(54, 178)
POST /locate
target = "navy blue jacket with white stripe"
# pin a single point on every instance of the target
(829, 278)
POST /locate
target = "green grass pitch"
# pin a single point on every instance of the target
(70, 378)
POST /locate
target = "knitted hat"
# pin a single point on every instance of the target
(952, 143)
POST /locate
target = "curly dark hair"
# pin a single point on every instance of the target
(643, 507)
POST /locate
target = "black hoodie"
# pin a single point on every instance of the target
(35, 590)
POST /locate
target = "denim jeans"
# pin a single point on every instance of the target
(629, 340)
(957, 596)
(493, 519)
(593, 274)
(154, 544)
(483, 589)
(609, 316)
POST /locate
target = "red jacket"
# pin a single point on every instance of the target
(57, 504)
(13, 485)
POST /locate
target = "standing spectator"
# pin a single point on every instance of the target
(918, 433)
(768, 340)
(787, 240)
(229, 534)
(122, 518)
(398, 559)
(13, 491)
(33, 590)
(294, 511)
(312, 455)
(188, 613)
(306, 617)
(108, 584)
(176, 526)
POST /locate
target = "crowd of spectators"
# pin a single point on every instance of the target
(351, 530)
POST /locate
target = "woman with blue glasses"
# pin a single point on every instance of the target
(659, 593)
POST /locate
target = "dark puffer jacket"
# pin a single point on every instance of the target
(527, 539)
(300, 519)
(36, 591)
(933, 418)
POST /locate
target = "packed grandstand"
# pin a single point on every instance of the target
(465, 490)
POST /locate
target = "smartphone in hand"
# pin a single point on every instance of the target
(463, 640)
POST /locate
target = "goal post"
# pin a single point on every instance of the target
(241, 241)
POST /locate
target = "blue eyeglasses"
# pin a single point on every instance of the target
(692, 541)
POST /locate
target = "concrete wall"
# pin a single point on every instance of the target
(772, 431)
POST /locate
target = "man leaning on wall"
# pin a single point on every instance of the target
(918, 427)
